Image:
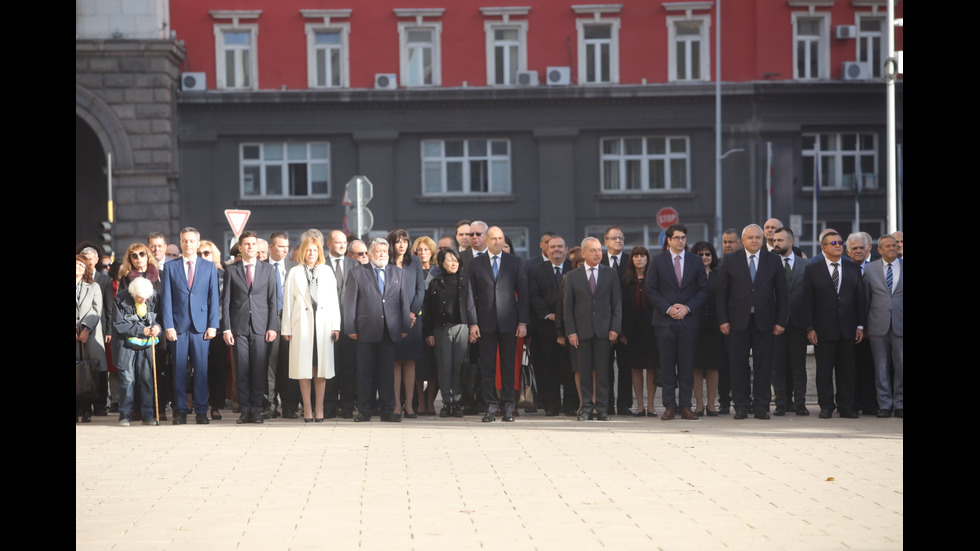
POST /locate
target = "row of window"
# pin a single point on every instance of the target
(635, 164)
(688, 50)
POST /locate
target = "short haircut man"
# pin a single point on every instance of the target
(769, 230)
(900, 242)
(463, 234)
(730, 242)
(340, 392)
(789, 374)
(357, 250)
(446, 242)
(593, 315)
(884, 285)
(262, 250)
(157, 243)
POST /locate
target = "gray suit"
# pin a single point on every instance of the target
(591, 316)
(886, 330)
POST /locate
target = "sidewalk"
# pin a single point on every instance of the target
(540, 483)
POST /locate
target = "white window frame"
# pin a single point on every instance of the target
(221, 49)
(466, 160)
(312, 68)
(490, 28)
(822, 41)
(612, 41)
(674, 41)
(867, 38)
(622, 160)
(832, 156)
(264, 164)
(405, 59)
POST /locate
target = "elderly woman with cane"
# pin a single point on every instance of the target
(136, 323)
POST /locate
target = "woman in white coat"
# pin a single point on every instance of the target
(311, 323)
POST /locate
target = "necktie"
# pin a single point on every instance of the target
(496, 268)
(752, 268)
(789, 271)
(836, 277)
(615, 260)
(381, 280)
(558, 275)
(338, 269)
(248, 274)
(592, 280)
(677, 270)
(279, 288)
(190, 274)
(890, 278)
(313, 283)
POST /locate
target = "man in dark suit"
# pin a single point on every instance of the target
(536, 259)
(279, 381)
(753, 307)
(191, 305)
(376, 317)
(478, 244)
(858, 250)
(341, 390)
(834, 312)
(250, 319)
(475, 238)
(789, 349)
(498, 311)
(884, 286)
(620, 394)
(551, 360)
(593, 316)
(676, 286)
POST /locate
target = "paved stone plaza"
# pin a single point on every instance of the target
(540, 483)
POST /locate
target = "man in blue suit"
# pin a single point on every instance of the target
(676, 286)
(753, 307)
(191, 306)
(498, 309)
(376, 317)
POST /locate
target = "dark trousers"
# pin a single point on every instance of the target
(376, 375)
(676, 344)
(864, 377)
(759, 380)
(621, 393)
(489, 343)
(286, 388)
(190, 346)
(725, 379)
(546, 358)
(593, 356)
(789, 368)
(251, 371)
(342, 387)
(217, 370)
(835, 358)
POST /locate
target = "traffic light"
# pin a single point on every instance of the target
(106, 236)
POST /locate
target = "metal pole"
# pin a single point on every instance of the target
(768, 180)
(718, 223)
(891, 72)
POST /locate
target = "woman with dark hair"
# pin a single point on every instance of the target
(709, 356)
(410, 348)
(639, 344)
(138, 262)
(89, 343)
(446, 328)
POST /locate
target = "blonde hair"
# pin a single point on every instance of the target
(307, 242)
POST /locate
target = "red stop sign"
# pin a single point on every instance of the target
(666, 216)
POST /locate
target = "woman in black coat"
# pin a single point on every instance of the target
(638, 342)
(709, 356)
(446, 328)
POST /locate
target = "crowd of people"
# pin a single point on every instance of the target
(331, 328)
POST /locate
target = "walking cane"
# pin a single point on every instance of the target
(156, 400)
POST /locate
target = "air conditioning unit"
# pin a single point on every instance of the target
(856, 70)
(193, 82)
(527, 78)
(845, 31)
(559, 76)
(386, 81)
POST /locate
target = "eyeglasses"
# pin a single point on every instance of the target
(172, 255)
(704, 253)
(364, 253)
(105, 265)
(614, 238)
(204, 253)
(679, 237)
(137, 254)
(475, 234)
(834, 243)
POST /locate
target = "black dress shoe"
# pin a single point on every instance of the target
(257, 419)
(180, 418)
(508, 418)
(551, 412)
(724, 409)
(244, 418)
(640, 413)
(583, 416)
(848, 414)
(330, 415)
(883, 414)
(900, 412)
(602, 416)
(215, 414)
(710, 413)
(531, 409)
(411, 416)
(488, 418)
(87, 417)
(391, 418)
(780, 411)
(741, 414)
(307, 419)
(202, 419)
(362, 418)
(826, 413)
(289, 414)
(101, 412)
(763, 414)
(802, 411)
(347, 415)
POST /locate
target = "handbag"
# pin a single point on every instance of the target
(528, 389)
(86, 376)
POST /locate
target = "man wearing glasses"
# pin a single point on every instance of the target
(753, 307)
(478, 244)
(676, 286)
